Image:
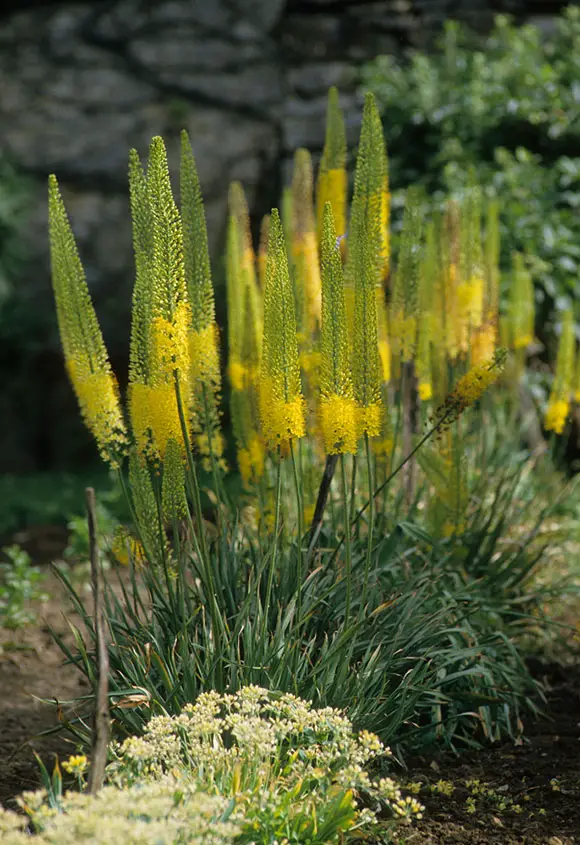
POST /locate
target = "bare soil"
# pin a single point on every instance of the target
(31, 669)
(528, 794)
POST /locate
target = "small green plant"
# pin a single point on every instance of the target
(20, 586)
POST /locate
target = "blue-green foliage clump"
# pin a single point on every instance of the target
(508, 108)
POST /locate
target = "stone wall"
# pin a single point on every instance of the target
(81, 83)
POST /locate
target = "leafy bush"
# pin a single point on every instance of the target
(52, 498)
(19, 587)
(509, 107)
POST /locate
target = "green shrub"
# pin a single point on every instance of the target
(508, 107)
(19, 586)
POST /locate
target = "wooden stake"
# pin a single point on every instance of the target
(101, 723)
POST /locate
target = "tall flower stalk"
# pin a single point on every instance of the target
(332, 176)
(86, 358)
(281, 400)
(203, 336)
(558, 407)
(337, 404)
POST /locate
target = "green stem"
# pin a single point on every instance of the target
(219, 625)
(389, 478)
(192, 474)
(299, 505)
(162, 543)
(217, 479)
(273, 560)
(371, 503)
(348, 547)
(352, 490)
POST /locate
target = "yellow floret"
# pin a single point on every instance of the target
(98, 398)
(369, 419)
(282, 421)
(170, 346)
(556, 415)
(385, 356)
(155, 418)
(251, 461)
(338, 420)
(204, 354)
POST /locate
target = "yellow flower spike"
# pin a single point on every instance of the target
(161, 311)
(444, 466)
(471, 289)
(369, 187)
(450, 243)
(434, 246)
(155, 418)
(364, 268)
(383, 333)
(405, 301)
(246, 258)
(521, 305)
(366, 361)
(304, 244)
(281, 401)
(235, 295)
(483, 343)
(169, 286)
(332, 177)
(383, 444)
(85, 354)
(556, 415)
(263, 249)
(126, 549)
(559, 401)
(423, 360)
(386, 225)
(337, 405)
(245, 401)
(251, 461)
(471, 387)
(287, 217)
(427, 298)
(576, 387)
(203, 339)
(239, 210)
(492, 274)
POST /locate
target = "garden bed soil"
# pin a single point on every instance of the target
(541, 776)
(31, 669)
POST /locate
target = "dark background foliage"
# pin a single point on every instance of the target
(506, 107)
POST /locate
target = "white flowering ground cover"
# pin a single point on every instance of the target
(254, 767)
